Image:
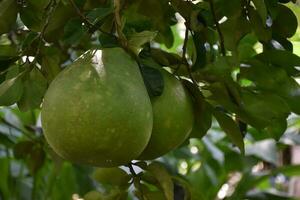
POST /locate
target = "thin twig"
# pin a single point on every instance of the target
(131, 170)
(222, 44)
(7, 123)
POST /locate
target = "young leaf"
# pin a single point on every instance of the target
(230, 128)
(136, 40)
(11, 91)
(35, 86)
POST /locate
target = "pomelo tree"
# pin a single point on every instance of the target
(148, 99)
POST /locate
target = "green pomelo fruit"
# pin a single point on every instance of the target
(8, 15)
(173, 118)
(98, 113)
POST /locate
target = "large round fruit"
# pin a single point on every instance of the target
(98, 114)
(172, 118)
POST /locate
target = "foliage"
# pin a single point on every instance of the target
(236, 59)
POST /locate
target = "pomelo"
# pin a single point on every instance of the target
(98, 113)
(173, 118)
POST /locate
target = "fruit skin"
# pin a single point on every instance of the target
(173, 118)
(98, 114)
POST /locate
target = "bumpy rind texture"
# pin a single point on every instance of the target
(173, 118)
(98, 114)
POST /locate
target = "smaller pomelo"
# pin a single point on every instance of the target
(173, 118)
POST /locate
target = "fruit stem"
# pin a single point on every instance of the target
(131, 170)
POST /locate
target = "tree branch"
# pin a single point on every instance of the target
(118, 24)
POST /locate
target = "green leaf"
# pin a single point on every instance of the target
(161, 16)
(231, 129)
(284, 59)
(273, 79)
(36, 159)
(8, 52)
(35, 86)
(66, 179)
(51, 58)
(136, 40)
(262, 32)
(200, 51)
(185, 185)
(111, 176)
(222, 96)
(184, 8)
(202, 109)
(32, 15)
(261, 9)
(11, 91)
(74, 31)
(165, 58)
(153, 80)
(261, 195)
(262, 109)
(5, 192)
(241, 27)
(98, 14)
(285, 23)
(8, 15)
(163, 177)
(249, 181)
(277, 128)
(23, 149)
(108, 41)
(290, 92)
(230, 10)
(6, 141)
